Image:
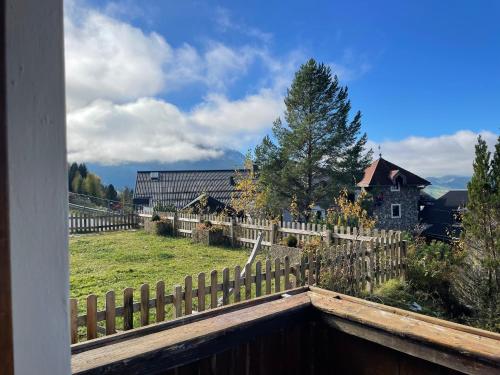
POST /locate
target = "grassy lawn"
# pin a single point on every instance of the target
(116, 260)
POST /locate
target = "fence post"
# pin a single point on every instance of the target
(328, 237)
(232, 233)
(174, 224)
(274, 233)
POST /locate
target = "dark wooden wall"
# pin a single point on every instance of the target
(310, 347)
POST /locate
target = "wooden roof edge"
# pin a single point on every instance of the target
(406, 313)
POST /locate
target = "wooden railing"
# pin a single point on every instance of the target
(210, 292)
(87, 223)
(243, 232)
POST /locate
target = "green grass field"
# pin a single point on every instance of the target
(116, 260)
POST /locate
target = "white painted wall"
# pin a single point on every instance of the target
(37, 186)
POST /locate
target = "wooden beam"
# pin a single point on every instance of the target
(432, 342)
(181, 345)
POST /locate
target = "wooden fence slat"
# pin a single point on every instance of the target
(277, 275)
(268, 276)
(177, 301)
(248, 281)
(297, 275)
(303, 271)
(110, 312)
(188, 295)
(128, 309)
(201, 291)
(287, 273)
(160, 301)
(258, 279)
(225, 286)
(310, 269)
(91, 317)
(237, 284)
(144, 305)
(73, 304)
(213, 289)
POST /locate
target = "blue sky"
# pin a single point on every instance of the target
(425, 75)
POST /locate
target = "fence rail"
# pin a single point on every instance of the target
(87, 223)
(243, 232)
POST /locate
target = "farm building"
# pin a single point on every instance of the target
(396, 194)
(183, 189)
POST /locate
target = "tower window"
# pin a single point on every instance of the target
(396, 211)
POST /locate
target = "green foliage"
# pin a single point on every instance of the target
(430, 266)
(291, 241)
(319, 149)
(477, 282)
(111, 193)
(155, 217)
(164, 228)
(160, 207)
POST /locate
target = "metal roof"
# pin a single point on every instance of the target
(179, 188)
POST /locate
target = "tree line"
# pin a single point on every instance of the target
(82, 181)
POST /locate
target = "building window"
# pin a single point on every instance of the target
(395, 211)
(395, 187)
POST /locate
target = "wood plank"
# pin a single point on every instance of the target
(213, 289)
(177, 301)
(310, 269)
(248, 281)
(288, 284)
(258, 279)
(73, 304)
(165, 347)
(277, 275)
(110, 313)
(201, 291)
(160, 301)
(91, 317)
(188, 295)
(225, 286)
(128, 309)
(268, 277)
(237, 284)
(454, 349)
(144, 304)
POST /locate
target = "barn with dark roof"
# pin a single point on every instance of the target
(396, 194)
(180, 189)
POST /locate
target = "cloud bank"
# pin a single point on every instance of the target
(116, 74)
(435, 156)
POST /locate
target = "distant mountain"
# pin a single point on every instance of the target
(441, 185)
(124, 175)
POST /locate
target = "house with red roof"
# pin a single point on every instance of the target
(396, 194)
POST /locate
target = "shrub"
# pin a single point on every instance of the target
(155, 217)
(291, 241)
(164, 228)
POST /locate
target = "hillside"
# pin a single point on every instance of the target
(441, 185)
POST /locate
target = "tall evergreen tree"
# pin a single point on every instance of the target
(477, 284)
(82, 168)
(71, 175)
(110, 193)
(319, 149)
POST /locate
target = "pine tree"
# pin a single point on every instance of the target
(477, 283)
(318, 150)
(77, 183)
(110, 193)
(82, 168)
(71, 175)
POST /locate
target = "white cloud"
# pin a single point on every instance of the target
(115, 72)
(226, 23)
(435, 156)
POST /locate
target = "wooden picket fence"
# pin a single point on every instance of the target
(88, 223)
(208, 294)
(369, 264)
(243, 232)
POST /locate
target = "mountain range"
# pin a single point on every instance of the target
(441, 185)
